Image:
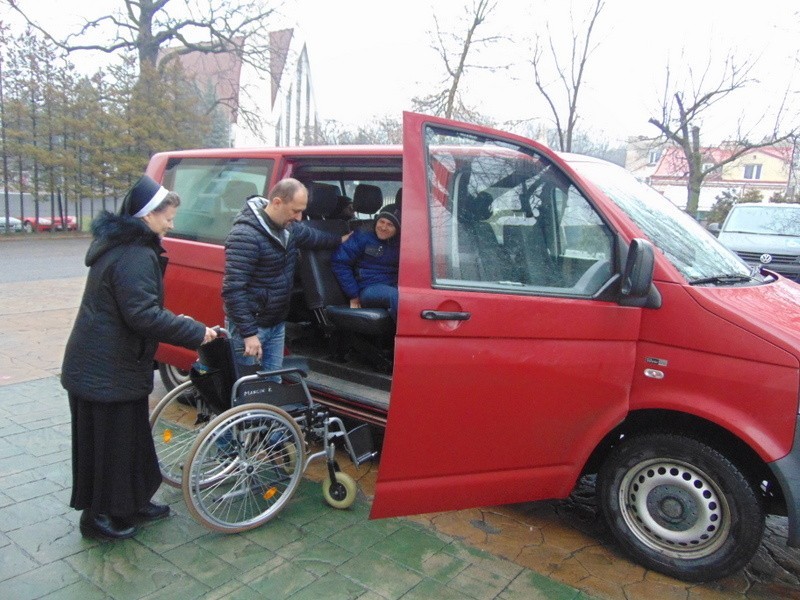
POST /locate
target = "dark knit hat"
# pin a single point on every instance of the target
(390, 213)
(143, 197)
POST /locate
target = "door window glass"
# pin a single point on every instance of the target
(212, 192)
(504, 218)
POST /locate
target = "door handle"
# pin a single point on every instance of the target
(443, 315)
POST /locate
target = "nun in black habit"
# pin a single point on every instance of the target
(108, 364)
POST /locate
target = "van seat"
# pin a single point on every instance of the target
(231, 201)
(324, 296)
(367, 200)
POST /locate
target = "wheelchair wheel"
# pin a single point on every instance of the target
(243, 468)
(175, 423)
(340, 493)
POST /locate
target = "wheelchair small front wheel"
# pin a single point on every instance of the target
(340, 493)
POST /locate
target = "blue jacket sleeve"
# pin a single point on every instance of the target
(343, 263)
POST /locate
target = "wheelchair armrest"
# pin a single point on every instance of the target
(282, 372)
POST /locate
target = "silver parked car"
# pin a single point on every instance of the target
(11, 224)
(765, 235)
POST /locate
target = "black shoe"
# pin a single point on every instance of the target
(104, 527)
(151, 512)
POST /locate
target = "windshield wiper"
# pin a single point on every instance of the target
(729, 279)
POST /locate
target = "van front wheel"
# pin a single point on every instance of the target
(679, 507)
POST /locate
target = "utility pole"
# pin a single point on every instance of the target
(5, 154)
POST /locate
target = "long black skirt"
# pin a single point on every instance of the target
(114, 463)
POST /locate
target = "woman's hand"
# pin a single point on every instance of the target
(211, 334)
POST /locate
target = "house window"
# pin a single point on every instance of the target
(752, 171)
(653, 156)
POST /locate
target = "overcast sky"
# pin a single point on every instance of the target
(369, 58)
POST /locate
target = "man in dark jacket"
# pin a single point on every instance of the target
(260, 258)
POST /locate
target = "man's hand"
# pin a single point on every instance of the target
(345, 237)
(252, 347)
(211, 334)
(355, 303)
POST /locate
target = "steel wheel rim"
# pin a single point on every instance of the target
(674, 508)
(176, 375)
(253, 486)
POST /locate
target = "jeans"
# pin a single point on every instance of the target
(380, 296)
(272, 343)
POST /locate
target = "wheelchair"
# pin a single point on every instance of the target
(238, 444)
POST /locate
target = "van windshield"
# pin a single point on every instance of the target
(688, 246)
(771, 220)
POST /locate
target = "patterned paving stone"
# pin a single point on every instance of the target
(531, 551)
(49, 579)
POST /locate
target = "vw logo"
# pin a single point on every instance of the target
(765, 259)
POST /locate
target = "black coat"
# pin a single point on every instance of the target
(121, 319)
(259, 267)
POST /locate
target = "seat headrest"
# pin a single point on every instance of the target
(476, 208)
(322, 200)
(367, 199)
(236, 192)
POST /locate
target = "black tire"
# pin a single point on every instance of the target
(171, 376)
(679, 507)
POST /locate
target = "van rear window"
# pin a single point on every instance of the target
(212, 192)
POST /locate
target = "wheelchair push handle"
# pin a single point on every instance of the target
(221, 331)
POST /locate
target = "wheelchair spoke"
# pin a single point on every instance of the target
(261, 450)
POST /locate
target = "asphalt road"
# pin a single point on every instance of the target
(37, 256)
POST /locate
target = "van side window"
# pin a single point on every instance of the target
(506, 219)
(212, 192)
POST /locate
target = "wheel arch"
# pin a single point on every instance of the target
(736, 450)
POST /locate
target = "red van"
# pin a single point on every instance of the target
(557, 318)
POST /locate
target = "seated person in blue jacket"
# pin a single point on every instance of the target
(366, 264)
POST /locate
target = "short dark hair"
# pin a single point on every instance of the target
(285, 189)
(171, 199)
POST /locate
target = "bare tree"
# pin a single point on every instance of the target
(682, 114)
(157, 32)
(145, 27)
(454, 48)
(561, 94)
(383, 130)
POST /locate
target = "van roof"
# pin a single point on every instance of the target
(780, 205)
(303, 151)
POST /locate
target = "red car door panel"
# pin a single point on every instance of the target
(501, 388)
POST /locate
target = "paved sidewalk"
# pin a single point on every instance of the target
(534, 550)
(310, 551)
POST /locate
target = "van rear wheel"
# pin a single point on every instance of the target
(679, 507)
(172, 376)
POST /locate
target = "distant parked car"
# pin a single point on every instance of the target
(765, 235)
(31, 224)
(14, 224)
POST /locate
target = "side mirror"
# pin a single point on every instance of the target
(637, 277)
(713, 228)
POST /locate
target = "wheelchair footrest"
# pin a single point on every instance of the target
(361, 444)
